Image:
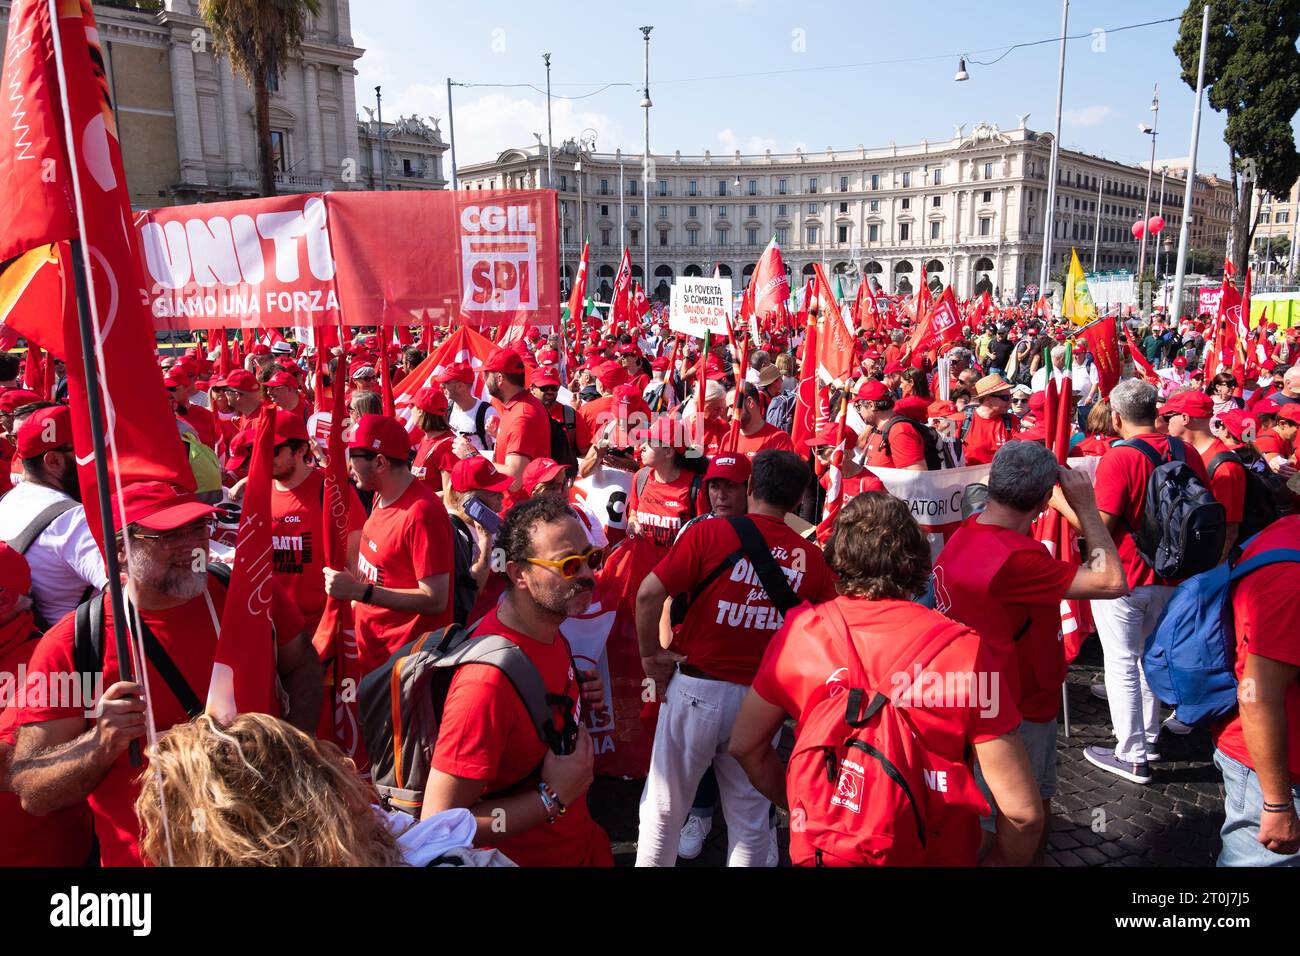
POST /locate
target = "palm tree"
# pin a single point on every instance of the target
(259, 36)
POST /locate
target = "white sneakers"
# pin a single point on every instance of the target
(693, 833)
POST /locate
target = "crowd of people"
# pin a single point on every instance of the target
(748, 617)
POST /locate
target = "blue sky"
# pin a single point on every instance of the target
(788, 96)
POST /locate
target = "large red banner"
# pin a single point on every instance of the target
(483, 258)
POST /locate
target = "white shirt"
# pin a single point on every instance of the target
(1084, 377)
(1039, 382)
(64, 560)
(464, 422)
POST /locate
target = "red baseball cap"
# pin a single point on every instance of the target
(1195, 404)
(241, 449)
(431, 400)
(158, 506)
(540, 471)
(281, 380)
(381, 434)
(476, 473)
(545, 377)
(1290, 412)
(504, 360)
(177, 376)
(894, 367)
(547, 357)
(729, 467)
(1237, 421)
(289, 426)
(1266, 407)
(241, 380)
(17, 398)
(832, 433)
(1180, 362)
(610, 375)
(260, 349)
(46, 430)
(914, 407)
(15, 574)
(455, 372)
(665, 432)
(871, 391)
(660, 364)
(627, 348)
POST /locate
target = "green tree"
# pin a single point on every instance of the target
(259, 36)
(1277, 248)
(1252, 73)
(1202, 260)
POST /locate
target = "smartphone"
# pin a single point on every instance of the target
(483, 515)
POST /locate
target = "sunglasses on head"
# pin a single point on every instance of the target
(570, 565)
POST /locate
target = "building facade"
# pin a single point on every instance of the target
(411, 153)
(970, 209)
(187, 122)
(1274, 248)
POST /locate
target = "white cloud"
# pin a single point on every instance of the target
(1086, 116)
(750, 146)
(491, 123)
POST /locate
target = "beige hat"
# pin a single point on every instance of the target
(991, 385)
(768, 375)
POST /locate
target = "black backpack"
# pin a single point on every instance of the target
(754, 547)
(1266, 499)
(562, 452)
(465, 591)
(1183, 526)
(929, 439)
(400, 707)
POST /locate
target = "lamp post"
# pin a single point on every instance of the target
(1151, 169)
(383, 162)
(645, 160)
(1184, 224)
(582, 210)
(1049, 221)
(1096, 229)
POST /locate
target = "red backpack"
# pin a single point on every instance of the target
(862, 788)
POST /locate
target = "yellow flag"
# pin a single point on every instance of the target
(1078, 300)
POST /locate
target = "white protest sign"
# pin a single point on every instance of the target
(700, 305)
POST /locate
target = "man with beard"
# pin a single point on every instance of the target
(66, 752)
(42, 517)
(525, 431)
(488, 744)
(756, 433)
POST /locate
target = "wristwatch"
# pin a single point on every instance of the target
(367, 594)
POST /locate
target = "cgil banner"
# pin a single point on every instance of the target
(483, 259)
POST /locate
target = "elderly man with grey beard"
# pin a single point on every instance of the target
(69, 748)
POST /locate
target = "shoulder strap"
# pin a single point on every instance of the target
(169, 672)
(1147, 451)
(27, 537)
(1263, 560)
(967, 415)
(642, 477)
(480, 421)
(570, 416)
(88, 635)
(1219, 459)
(509, 658)
(220, 571)
(697, 482)
(759, 553)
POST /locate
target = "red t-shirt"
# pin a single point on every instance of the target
(716, 431)
(862, 481)
(799, 663)
(402, 543)
(1094, 446)
(297, 537)
(1121, 489)
(486, 734)
(663, 507)
(1269, 442)
(769, 436)
(525, 429)
(1228, 483)
(985, 437)
(189, 636)
(729, 624)
(905, 447)
(433, 457)
(202, 421)
(61, 838)
(1267, 621)
(1028, 586)
(590, 422)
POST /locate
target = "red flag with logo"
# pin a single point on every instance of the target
(805, 406)
(243, 669)
(866, 310)
(834, 337)
(1104, 346)
(1139, 360)
(621, 308)
(771, 288)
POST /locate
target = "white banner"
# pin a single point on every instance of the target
(700, 305)
(605, 493)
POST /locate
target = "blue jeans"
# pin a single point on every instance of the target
(1243, 804)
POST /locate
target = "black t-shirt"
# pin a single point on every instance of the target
(1001, 352)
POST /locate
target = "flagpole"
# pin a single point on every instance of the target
(1049, 221)
(1180, 273)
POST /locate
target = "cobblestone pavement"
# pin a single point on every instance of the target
(1098, 819)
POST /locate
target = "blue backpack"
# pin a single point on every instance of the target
(1190, 657)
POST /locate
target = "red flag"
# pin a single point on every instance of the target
(578, 294)
(1229, 270)
(640, 304)
(834, 337)
(620, 309)
(835, 485)
(866, 310)
(1104, 346)
(243, 670)
(34, 370)
(143, 442)
(463, 345)
(982, 306)
(940, 326)
(772, 288)
(335, 639)
(805, 406)
(1139, 360)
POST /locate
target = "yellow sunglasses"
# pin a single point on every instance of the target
(569, 566)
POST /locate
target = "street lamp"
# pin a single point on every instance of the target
(645, 162)
(962, 75)
(582, 210)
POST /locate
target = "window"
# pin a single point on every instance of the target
(782, 186)
(936, 202)
(934, 230)
(988, 170)
(636, 211)
(722, 237)
(938, 177)
(844, 208)
(781, 209)
(568, 235)
(906, 203)
(753, 212)
(279, 150)
(663, 187)
(751, 237)
(907, 180)
(663, 212)
(904, 231)
(844, 184)
(1283, 215)
(753, 187)
(875, 180)
(406, 167)
(693, 187)
(604, 237)
(1265, 217)
(722, 187)
(632, 238)
(988, 196)
(873, 232)
(604, 187)
(873, 205)
(722, 212)
(692, 237)
(663, 238)
(631, 187)
(812, 235)
(986, 226)
(812, 208)
(812, 184)
(842, 234)
(604, 209)
(692, 212)
(564, 183)
(783, 236)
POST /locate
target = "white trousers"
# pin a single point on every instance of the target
(1123, 626)
(693, 732)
